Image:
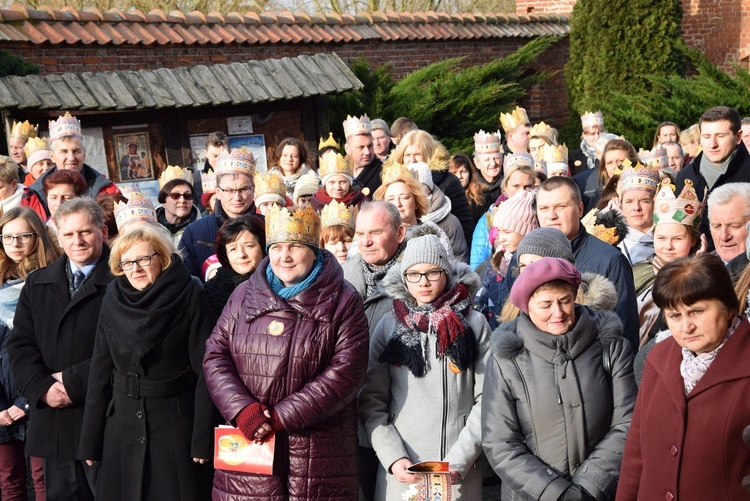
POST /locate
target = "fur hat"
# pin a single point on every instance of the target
(424, 249)
(547, 242)
(516, 214)
(539, 273)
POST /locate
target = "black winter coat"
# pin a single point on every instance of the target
(451, 188)
(54, 333)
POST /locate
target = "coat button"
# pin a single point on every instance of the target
(673, 451)
(669, 496)
(139, 415)
(142, 440)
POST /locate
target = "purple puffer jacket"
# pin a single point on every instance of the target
(305, 357)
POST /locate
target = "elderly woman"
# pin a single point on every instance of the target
(240, 247)
(422, 395)
(558, 392)
(26, 246)
(291, 155)
(685, 441)
(148, 414)
(288, 355)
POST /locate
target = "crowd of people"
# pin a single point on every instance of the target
(577, 321)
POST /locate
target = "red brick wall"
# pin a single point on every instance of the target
(718, 29)
(548, 102)
(539, 6)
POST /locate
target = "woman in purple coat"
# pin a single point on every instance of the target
(289, 354)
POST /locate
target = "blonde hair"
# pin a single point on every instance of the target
(424, 140)
(44, 252)
(8, 170)
(414, 187)
(146, 233)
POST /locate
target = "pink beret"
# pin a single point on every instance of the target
(539, 273)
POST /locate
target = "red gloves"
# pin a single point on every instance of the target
(252, 416)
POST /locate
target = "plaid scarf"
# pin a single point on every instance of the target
(444, 319)
(374, 275)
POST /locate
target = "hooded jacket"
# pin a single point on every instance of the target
(552, 414)
(435, 417)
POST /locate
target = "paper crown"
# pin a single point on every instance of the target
(36, 150)
(338, 214)
(303, 226)
(542, 129)
(329, 143)
(395, 171)
(554, 154)
(237, 161)
(173, 172)
(487, 142)
(656, 158)
(138, 208)
(637, 176)
(516, 160)
(23, 130)
(66, 125)
(269, 187)
(591, 119)
(684, 209)
(208, 181)
(354, 126)
(333, 163)
(511, 120)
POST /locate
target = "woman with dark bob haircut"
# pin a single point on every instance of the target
(177, 209)
(240, 247)
(685, 439)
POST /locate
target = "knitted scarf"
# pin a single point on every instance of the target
(444, 319)
(590, 154)
(374, 275)
(353, 198)
(278, 287)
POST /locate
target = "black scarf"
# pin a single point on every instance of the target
(219, 288)
(374, 275)
(173, 228)
(137, 321)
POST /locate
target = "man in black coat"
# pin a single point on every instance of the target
(51, 345)
(724, 158)
(361, 153)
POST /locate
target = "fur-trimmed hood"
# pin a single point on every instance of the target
(599, 293)
(460, 273)
(507, 342)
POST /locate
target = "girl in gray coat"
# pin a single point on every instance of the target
(422, 394)
(558, 392)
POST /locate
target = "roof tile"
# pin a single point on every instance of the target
(188, 37)
(52, 35)
(83, 35)
(212, 37)
(114, 35)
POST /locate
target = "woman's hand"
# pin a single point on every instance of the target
(398, 469)
(16, 412)
(262, 430)
(5, 418)
(200, 460)
(454, 474)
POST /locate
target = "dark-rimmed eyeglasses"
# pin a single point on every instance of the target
(142, 261)
(414, 277)
(23, 238)
(176, 196)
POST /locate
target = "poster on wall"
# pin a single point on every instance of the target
(256, 144)
(134, 160)
(198, 150)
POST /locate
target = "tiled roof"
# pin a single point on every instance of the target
(93, 26)
(235, 83)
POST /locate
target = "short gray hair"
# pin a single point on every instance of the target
(81, 205)
(380, 124)
(725, 193)
(393, 215)
(54, 144)
(672, 143)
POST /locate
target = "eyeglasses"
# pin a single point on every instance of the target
(176, 196)
(242, 192)
(414, 277)
(23, 238)
(142, 261)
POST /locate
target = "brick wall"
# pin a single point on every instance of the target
(539, 6)
(547, 102)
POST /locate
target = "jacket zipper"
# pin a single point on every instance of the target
(291, 346)
(445, 407)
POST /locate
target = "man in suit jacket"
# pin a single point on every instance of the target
(51, 345)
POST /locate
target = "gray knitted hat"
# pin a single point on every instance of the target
(546, 242)
(424, 249)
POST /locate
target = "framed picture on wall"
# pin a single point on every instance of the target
(133, 154)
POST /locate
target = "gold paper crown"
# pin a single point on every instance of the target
(395, 171)
(684, 209)
(656, 158)
(237, 161)
(329, 143)
(269, 187)
(23, 130)
(554, 154)
(35, 144)
(333, 163)
(511, 120)
(66, 125)
(208, 181)
(138, 208)
(487, 142)
(354, 126)
(542, 129)
(338, 214)
(639, 176)
(173, 172)
(591, 119)
(301, 226)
